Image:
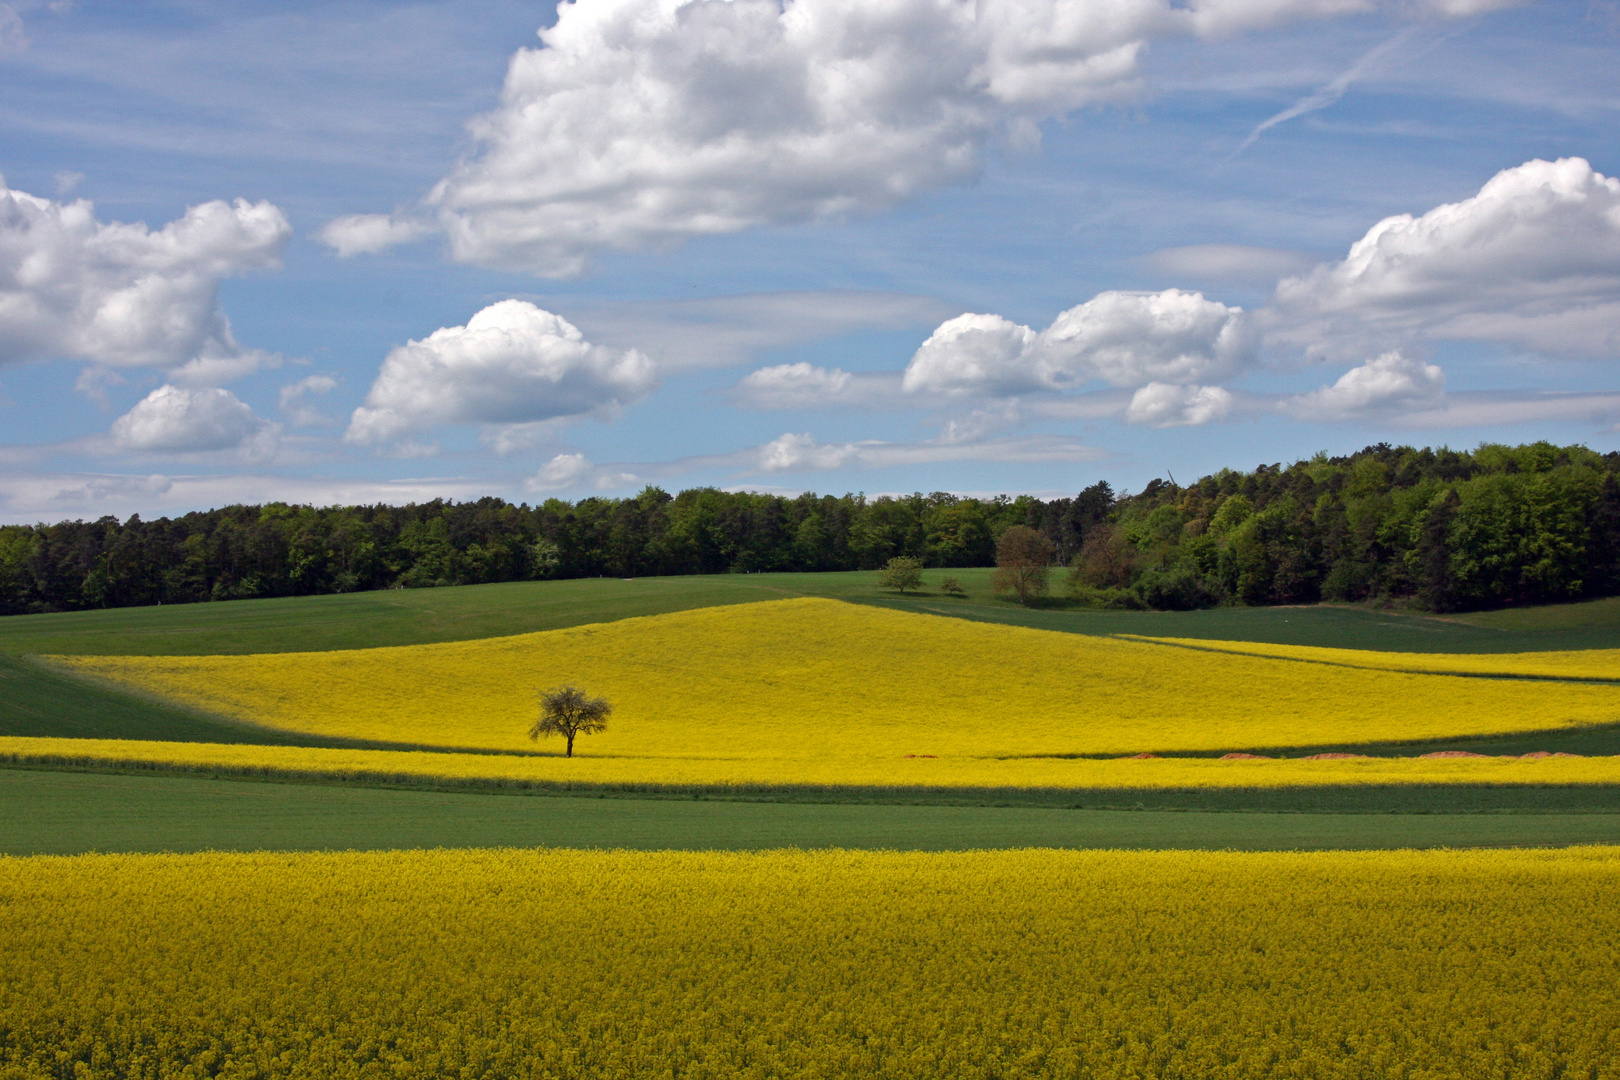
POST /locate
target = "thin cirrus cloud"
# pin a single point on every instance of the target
(512, 364)
(644, 123)
(797, 453)
(123, 295)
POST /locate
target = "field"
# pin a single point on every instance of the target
(757, 693)
(814, 700)
(1027, 963)
(824, 835)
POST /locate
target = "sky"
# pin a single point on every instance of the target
(366, 252)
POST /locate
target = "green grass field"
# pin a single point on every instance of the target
(67, 813)
(416, 616)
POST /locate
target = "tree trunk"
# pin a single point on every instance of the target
(570, 752)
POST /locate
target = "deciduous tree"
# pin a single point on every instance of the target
(568, 711)
(901, 573)
(1023, 563)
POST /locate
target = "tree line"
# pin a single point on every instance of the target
(1441, 529)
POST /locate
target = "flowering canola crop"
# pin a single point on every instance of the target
(951, 772)
(846, 684)
(1599, 664)
(1018, 964)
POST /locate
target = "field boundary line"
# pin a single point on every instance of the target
(1590, 680)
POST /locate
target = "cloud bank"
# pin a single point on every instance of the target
(643, 123)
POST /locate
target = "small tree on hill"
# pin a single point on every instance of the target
(1023, 563)
(902, 573)
(568, 711)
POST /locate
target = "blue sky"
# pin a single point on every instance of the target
(381, 252)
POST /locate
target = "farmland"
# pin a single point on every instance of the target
(738, 693)
(399, 882)
(830, 963)
(761, 693)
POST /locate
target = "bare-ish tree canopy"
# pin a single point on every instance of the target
(1023, 562)
(568, 711)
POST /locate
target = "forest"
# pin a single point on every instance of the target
(1435, 529)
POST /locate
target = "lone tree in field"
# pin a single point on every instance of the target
(1023, 563)
(568, 712)
(902, 573)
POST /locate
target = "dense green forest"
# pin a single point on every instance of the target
(1440, 529)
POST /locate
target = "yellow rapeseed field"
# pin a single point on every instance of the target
(848, 685)
(1024, 773)
(509, 965)
(1575, 664)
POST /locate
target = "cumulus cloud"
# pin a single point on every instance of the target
(367, 234)
(793, 386)
(1533, 260)
(1390, 382)
(173, 419)
(513, 363)
(792, 451)
(642, 123)
(983, 354)
(561, 473)
(123, 295)
(1168, 405)
(1126, 339)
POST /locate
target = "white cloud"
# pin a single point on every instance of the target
(642, 123)
(561, 473)
(172, 419)
(367, 234)
(297, 410)
(1390, 382)
(793, 386)
(123, 295)
(1167, 405)
(980, 354)
(803, 452)
(513, 363)
(1533, 260)
(1127, 339)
